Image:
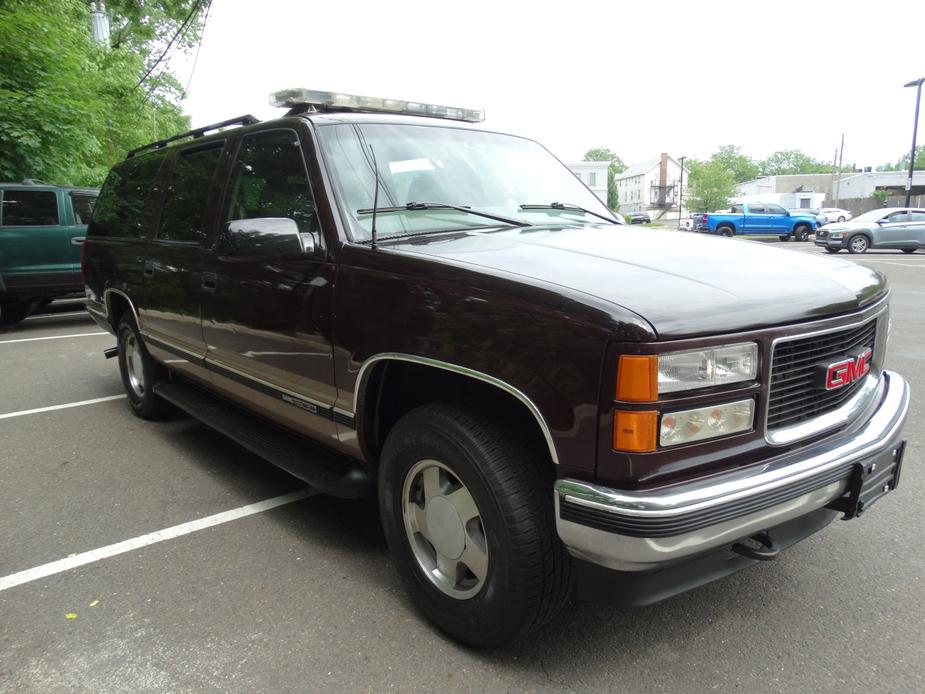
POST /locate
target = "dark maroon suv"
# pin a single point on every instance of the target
(384, 299)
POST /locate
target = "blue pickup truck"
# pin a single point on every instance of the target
(759, 218)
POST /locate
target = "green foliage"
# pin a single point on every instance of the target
(793, 161)
(742, 167)
(616, 167)
(710, 186)
(69, 108)
(903, 163)
(881, 195)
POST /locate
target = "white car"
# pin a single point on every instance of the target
(835, 214)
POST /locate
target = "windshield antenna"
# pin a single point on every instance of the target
(375, 196)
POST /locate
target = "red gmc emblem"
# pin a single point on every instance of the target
(846, 371)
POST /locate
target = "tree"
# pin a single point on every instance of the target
(793, 161)
(903, 163)
(70, 108)
(743, 167)
(616, 167)
(710, 186)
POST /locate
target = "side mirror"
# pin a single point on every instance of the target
(266, 236)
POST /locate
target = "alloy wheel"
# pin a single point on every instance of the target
(444, 529)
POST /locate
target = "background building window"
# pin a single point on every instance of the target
(592, 178)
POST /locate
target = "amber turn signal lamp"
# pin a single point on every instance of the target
(635, 432)
(637, 378)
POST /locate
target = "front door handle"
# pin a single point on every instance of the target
(77, 240)
(149, 268)
(209, 281)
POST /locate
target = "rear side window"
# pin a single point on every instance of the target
(183, 216)
(29, 208)
(917, 216)
(123, 209)
(736, 209)
(269, 180)
(83, 207)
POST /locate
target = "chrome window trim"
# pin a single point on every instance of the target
(801, 430)
(363, 374)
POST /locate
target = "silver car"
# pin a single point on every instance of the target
(902, 228)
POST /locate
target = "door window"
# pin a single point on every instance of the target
(898, 217)
(29, 208)
(756, 209)
(269, 180)
(83, 207)
(917, 216)
(776, 209)
(183, 216)
(123, 209)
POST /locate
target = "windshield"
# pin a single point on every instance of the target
(872, 216)
(468, 168)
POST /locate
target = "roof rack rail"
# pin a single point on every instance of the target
(35, 182)
(198, 132)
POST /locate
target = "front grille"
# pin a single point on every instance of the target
(793, 396)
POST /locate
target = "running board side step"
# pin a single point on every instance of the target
(326, 472)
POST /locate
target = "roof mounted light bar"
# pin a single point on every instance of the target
(301, 99)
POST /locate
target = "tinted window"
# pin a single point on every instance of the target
(269, 180)
(917, 216)
(774, 209)
(756, 209)
(123, 208)
(898, 217)
(29, 208)
(83, 207)
(183, 216)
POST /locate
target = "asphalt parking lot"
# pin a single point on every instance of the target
(299, 595)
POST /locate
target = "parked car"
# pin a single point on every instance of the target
(393, 305)
(760, 218)
(901, 228)
(639, 218)
(835, 214)
(812, 211)
(42, 227)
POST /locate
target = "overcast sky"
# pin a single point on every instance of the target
(640, 78)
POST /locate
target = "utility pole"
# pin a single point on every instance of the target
(681, 193)
(915, 127)
(99, 23)
(841, 157)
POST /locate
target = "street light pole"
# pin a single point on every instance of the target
(915, 127)
(681, 193)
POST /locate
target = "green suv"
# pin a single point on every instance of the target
(42, 227)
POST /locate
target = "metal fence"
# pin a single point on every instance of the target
(861, 205)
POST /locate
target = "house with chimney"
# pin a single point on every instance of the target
(652, 186)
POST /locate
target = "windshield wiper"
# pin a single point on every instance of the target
(571, 208)
(443, 206)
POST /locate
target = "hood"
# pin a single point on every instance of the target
(683, 284)
(849, 226)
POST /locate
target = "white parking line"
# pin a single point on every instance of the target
(888, 262)
(53, 337)
(65, 406)
(95, 555)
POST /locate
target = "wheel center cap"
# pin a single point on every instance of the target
(445, 529)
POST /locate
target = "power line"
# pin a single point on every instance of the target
(176, 35)
(205, 21)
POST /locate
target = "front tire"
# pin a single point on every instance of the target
(467, 509)
(908, 250)
(841, 219)
(801, 233)
(13, 311)
(139, 372)
(858, 244)
(832, 250)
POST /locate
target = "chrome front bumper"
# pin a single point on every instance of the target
(644, 530)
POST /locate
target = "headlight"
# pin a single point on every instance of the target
(836, 234)
(703, 368)
(706, 422)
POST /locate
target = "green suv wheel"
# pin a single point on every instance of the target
(467, 509)
(13, 311)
